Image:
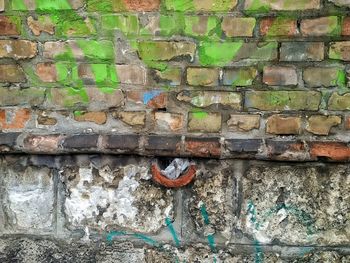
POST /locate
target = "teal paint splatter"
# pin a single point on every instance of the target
(211, 239)
(172, 231)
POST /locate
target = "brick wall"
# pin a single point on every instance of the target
(85, 82)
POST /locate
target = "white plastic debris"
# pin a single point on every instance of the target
(176, 168)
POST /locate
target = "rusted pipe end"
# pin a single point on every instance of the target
(183, 180)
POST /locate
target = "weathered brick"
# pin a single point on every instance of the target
(302, 51)
(10, 26)
(335, 151)
(204, 99)
(238, 26)
(203, 5)
(42, 143)
(243, 122)
(155, 99)
(163, 50)
(222, 53)
(44, 118)
(283, 150)
(171, 76)
(17, 49)
(340, 50)
(243, 147)
(14, 119)
(16, 96)
(346, 27)
(281, 125)
(339, 102)
(239, 76)
(283, 100)
(201, 26)
(203, 76)
(81, 141)
(132, 118)
(96, 117)
(280, 5)
(204, 122)
(165, 121)
(323, 26)
(99, 74)
(132, 74)
(121, 142)
(347, 122)
(321, 125)
(11, 73)
(46, 72)
(91, 98)
(43, 24)
(278, 26)
(203, 147)
(324, 77)
(163, 145)
(280, 76)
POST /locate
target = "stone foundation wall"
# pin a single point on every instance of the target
(101, 208)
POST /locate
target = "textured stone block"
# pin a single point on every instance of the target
(121, 195)
(324, 77)
(340, 50)
(10, 25)
(321, 125)
(296, 204)
(203, 76)
(17, 49)
(204, 122)
(29, 198)
(323, 26)
(279, 26)
(11, 73)
(16, 96)
(281, 125)
(243, 122)
(238, 26)
(280, 76)
(239, 76)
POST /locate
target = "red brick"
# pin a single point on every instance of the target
(8, 26)
(46, 72)
(183, 180)
(321, 26)
(335, 151)
(18, 121)
(17, 49)
(346, 27)
(203, 147)
(42, 144)
(280, 76)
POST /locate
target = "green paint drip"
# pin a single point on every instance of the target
(211, 239)
(218, 54)
(172, 231)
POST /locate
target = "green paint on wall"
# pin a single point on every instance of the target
(201, 26)
(52, 4)
(18, 5)
(128, 24)
(105, 76)
(218, 53)
(200, 115)
(171, 24)
(97, 50)
(179, 5)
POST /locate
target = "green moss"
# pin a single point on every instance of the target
(217, 53)
(334, 27)
(98, 5)
(105, 75)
